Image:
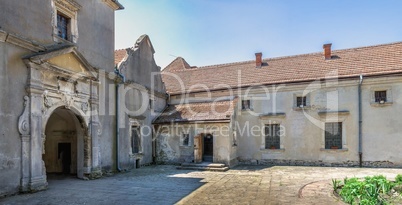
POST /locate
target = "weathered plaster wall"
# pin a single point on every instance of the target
(382, 128)
(33, 22)
(170, 148)
(38, 11)
(303, 141)
(143, 83)
(303, 138)
(141, 68)
(96, 33)
(13, 76)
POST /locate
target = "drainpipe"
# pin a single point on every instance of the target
(118, 73)
(360, 120)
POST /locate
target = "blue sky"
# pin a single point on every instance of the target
(207, 32)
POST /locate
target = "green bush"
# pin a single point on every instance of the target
(398, 179)
(367, 191)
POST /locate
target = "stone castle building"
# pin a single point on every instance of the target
(335, 108)
(63, 96)
(70, 103)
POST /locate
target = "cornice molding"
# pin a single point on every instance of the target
(114, 4)
(20, 41)
(69, 5)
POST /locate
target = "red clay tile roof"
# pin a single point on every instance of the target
(206, 111)
(371, 60)
(119, 55)
(177, 64)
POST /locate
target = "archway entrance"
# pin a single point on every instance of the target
(64, 144)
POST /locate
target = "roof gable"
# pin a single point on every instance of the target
(65, 59)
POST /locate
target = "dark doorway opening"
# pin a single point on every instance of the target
(64, 153)
(208, 148)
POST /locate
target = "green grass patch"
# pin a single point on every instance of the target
(375, 190)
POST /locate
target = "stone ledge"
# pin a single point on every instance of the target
(334, 150)
(377, 104)
(272, 150)
(319, 163)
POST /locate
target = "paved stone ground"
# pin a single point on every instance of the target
(166, 185)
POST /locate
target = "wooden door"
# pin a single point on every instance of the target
(198, 149)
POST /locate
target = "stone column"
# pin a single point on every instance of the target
(96, 129)
(30, 126)
(24, 129)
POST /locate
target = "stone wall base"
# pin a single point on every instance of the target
(280, 162)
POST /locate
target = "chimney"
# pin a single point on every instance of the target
(327, 50)
(258, 60)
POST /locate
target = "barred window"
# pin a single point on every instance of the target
(380, 96)
(186, 139)
(62, 26)
(135, 139)
(301, 101)
(333, 135)
(272, 136)
(245, 104)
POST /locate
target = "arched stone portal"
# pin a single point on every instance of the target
(64, 143)
(62, 93)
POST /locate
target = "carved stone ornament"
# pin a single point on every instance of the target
(23, 121)
(47, 101)
(68, 101)
(85, 106)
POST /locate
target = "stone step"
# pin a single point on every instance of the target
(199, 168)
(216, 165)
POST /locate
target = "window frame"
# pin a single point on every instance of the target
(277, 119)
(139, 148)
(277, 128)
(388, 100)
(303, 102)
(333, 117)
(378, 98)
(306, 97)
(183, 139)
(151, 103)
(69, 9)
(67, 25)
(328, 133)
(249, 104)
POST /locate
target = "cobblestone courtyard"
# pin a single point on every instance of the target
(166, 185)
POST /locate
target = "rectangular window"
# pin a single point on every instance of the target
(135, 139)
(245, 105)
(272, 136)
(62, 26)
(380, 96)
(301, 101)
(333, 135)
(186, 139)
(151, 104)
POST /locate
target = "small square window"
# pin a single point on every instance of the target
(380, 96)
(333, 135)
(245, 104)
(62, 26)
(301, 101)
(272, 136)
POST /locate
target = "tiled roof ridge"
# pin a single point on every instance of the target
(285, 57)
(183, 62)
